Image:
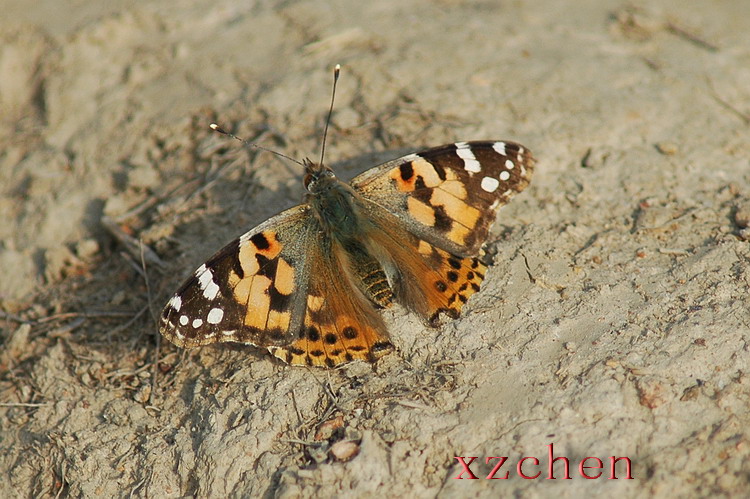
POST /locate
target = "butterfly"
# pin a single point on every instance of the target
(307, 283)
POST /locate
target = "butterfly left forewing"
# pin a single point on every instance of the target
(252, 291)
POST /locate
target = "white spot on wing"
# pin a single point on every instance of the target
(508, 164)
(470, 161)
(215, 316)
(197, 323)
(211, 291)
(184, 320)
(499, 148)
(206, 282)
(176, 303)
(504, 176)
(490, 184)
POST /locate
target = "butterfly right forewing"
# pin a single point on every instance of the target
(449, 195)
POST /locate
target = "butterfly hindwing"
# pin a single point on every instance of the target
(341, 324)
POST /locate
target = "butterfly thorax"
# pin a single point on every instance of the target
(333, 202)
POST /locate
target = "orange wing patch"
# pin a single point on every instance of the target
(421, 174)
(266, 283)
(438, 199)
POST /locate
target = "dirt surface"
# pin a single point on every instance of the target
(614, 321)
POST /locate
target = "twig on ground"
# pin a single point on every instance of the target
(131, 244)
(691, 37)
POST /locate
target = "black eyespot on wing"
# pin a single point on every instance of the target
(407, 172)
(276, 334)
(381, 346)
(313, 334)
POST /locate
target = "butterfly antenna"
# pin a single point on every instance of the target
(336, 72)
(217, 128)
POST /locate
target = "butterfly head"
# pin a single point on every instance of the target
(318, 177)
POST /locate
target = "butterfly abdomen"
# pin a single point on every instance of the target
(372, 279)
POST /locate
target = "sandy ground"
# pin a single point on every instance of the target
(614, 322)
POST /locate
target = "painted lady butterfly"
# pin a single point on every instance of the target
(307, 283)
